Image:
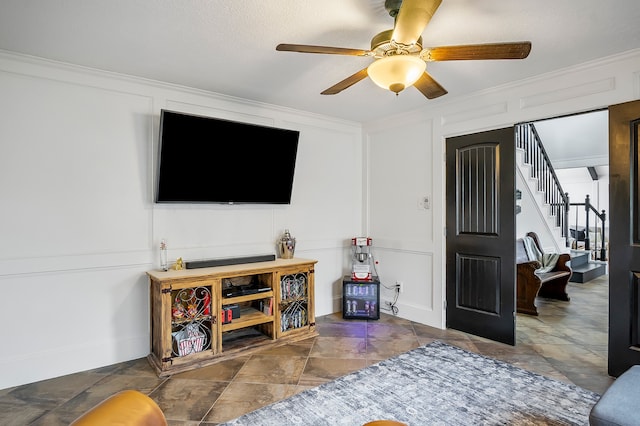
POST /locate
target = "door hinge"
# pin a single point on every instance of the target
(166, 290)
(168, 359)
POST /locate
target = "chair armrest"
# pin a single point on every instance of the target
(561, 264)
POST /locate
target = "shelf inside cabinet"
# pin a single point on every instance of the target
(247, 298)
(237, 340)
(248, 317)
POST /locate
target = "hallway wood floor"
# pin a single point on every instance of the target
(567, 341)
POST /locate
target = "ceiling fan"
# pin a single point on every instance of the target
(400, 58)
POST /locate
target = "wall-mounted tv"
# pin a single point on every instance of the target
(211, 160)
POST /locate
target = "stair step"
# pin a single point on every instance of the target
(587, 272)
(579, 258)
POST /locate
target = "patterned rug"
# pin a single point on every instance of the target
(435, 384)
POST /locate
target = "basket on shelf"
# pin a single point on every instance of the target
(189, 340)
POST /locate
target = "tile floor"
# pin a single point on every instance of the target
(568, 341)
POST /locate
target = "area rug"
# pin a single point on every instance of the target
(435, 384)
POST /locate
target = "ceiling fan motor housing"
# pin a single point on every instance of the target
(381, 46)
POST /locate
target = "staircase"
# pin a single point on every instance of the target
(549, 204)
(547, 214)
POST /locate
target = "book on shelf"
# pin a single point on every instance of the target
(267, 306)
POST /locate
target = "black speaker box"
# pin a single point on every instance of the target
(194, 264)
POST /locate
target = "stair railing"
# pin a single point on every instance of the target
(528, 140)
(588, 209)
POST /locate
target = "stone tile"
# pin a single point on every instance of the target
(223, 371)
(390, 331)
(271, 369)
(17, 414)
(301, 348)
(339, 347)
(386, 348)
(597, 384)
(501, 350)
(391, 319)
(181, 399)
(343, 329)
(240, 398)
(422, 330)
(322, 370)
(466, 344)
(48, 394)
(335, 317)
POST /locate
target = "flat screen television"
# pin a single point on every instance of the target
(211, 160)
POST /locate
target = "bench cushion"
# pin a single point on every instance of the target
(619, 404)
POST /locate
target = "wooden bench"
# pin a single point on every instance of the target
(531, 284)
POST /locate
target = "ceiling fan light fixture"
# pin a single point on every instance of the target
(396, 72)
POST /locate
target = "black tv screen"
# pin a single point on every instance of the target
(211, 160)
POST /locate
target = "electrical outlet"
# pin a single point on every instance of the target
(400, 286)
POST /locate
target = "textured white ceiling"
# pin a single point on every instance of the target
(229, 46)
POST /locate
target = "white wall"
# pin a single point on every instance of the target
(79, 227)
(534, 216)
(410, 243)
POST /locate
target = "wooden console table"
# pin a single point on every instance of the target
(202, 316)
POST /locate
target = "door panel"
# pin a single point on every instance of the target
(624, 237)
(480, 238)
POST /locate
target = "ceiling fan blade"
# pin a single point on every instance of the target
(305, 48)
(412, 18)
(515, 50)
(429, 87)
(346, 83)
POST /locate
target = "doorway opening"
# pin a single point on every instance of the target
(578, 148)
